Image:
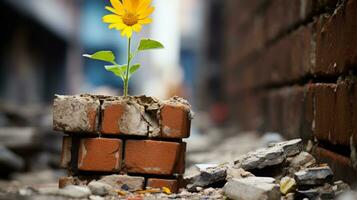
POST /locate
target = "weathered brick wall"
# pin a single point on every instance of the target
(290, 67)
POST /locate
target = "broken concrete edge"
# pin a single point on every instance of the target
(73, 114)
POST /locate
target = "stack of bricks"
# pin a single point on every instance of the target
(135, 136)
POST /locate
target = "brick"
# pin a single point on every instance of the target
(175, 121)
(153, 157)
(123, 116)
(335, 54)
(66, 152)
(160, 183)
(324, 110)
(353, 98)
(340, 165)
(302, 51)
(343, 123)
(100, 155)
(274, 111)
(75, 113)
(308, 113)
(293, 106)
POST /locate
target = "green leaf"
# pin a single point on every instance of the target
(118, 70)
(107, 56)
(133, 69)
(147, 44)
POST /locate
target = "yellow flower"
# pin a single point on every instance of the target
(128, 16)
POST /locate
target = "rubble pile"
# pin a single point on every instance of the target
(281, 171)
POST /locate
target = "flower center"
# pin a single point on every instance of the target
(130, 19)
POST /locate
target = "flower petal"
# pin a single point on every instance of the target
(137, 27)
(145, 13)
(145, 21)
(143, 5)
(117, 26)
(127, 5)
(112, 18)
(118, 6)
(115, 11)
(134, 5)
(127, 31)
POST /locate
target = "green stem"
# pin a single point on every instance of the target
(126, 80)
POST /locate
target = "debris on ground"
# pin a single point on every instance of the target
(280, 171)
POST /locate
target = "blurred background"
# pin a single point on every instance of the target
(269, 68)
(42, 42)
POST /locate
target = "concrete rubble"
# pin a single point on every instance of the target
(249, 177)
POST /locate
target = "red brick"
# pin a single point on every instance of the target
(303, 51)
(308, 113)
(123, 116)
(336, 40)
(274, 111)
(333, 113)
(342, 126)
(353, 100)
(100, 154)
(293, 106)
(160, 183)
(111, 116)
(325, 110)
(153, 157)
(175, 121)
(66, 152)
(282, 15)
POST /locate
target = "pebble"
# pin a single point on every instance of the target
(287, 185)
(252, 188)
(99, 188)
(314, 176)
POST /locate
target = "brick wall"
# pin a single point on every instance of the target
(290, 67)
(136, 136)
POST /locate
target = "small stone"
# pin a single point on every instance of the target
(287, 185)
(275, 154)
(324, 192)
(351, 195)
(94, 197)
(71, 191)
(124, 182)
(237, 173)
(261, 158)
(302, 160)
(309, 194)
(291, 147)
(99, 188)
(314, 176)
(207, 177)
(289, 196)
(252, 188)
(340, 187)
